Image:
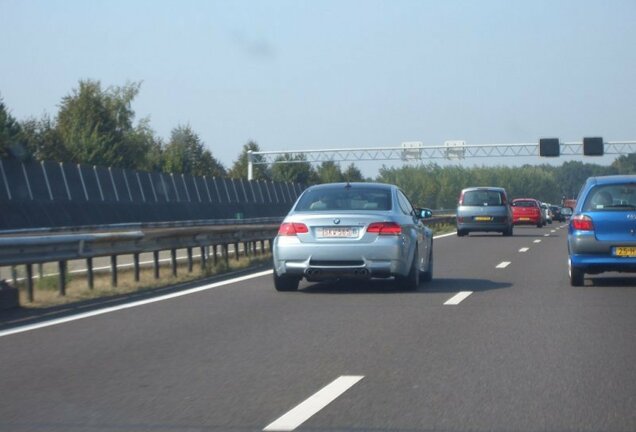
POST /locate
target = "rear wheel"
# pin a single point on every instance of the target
(508, 231)
(576, 276)
(285, 283)
(412, 281)
(461, 233)
(427, 276)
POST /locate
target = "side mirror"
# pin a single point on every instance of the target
(424, 213)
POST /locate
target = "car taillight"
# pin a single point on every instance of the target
(582, 223)
(385, 228)
(292, 228)
(461, 198)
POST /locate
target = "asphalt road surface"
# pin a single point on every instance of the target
(498, 341)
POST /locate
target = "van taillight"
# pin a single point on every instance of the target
(582, 223)
(292, 228)
(385, 228)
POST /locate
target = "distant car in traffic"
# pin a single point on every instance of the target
(527, 211)
(566, 212)
(556, 213)
(602, 230)
(484, 209)
(353, 231)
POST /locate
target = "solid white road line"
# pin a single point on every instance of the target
(503, 264)
(537, 241)
(131, 305)
(302, 412)
(445, 235)
(457, 298)
(524, 249)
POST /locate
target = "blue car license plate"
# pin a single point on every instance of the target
(622, 251)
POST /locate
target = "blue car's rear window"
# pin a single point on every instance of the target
(611, 197)
(330, 199)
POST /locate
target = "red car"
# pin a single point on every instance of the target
(526, 211)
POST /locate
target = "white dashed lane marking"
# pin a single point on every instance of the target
(524, 250)
(503, 264)
(302, 412)
(537, 241)
(457, 298)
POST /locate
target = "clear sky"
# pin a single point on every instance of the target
(334, 74)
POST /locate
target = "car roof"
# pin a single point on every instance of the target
(526, 199)
(499, 189)
(612, 179)
(353, 185)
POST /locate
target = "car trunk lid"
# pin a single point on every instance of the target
(614, 226)
(339, 227)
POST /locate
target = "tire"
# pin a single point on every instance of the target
(285, 283)
(412, 281)
(577, 276)
(461, 233)
(508, 232)
(539, 225)
(427, 276)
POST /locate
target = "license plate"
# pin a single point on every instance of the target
(483, 218)
(625, 251)
(340, 232)
(524, 219)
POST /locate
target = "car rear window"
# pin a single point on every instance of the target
(330, 199)
(524, 203)
(482, 198)
(611, 197)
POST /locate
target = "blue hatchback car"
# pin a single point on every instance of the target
(602, 230)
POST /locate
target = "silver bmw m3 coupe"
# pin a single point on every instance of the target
(353, 230)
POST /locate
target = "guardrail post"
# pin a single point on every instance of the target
(62, 277)
(29, 275)
(89, 271)
(41, 271)
(263, 247)
(246, 249)
(136, 263)
(173, 259)
(236, 251)
(14, 275)
(215, 256)
(113, 271)
(155, 256)
(226, 254)
(189, 260)
(203, 258)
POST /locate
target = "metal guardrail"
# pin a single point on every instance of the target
(42, 246)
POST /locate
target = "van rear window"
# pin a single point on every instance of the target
(482, 198)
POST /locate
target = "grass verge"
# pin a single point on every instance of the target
(46, 290)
